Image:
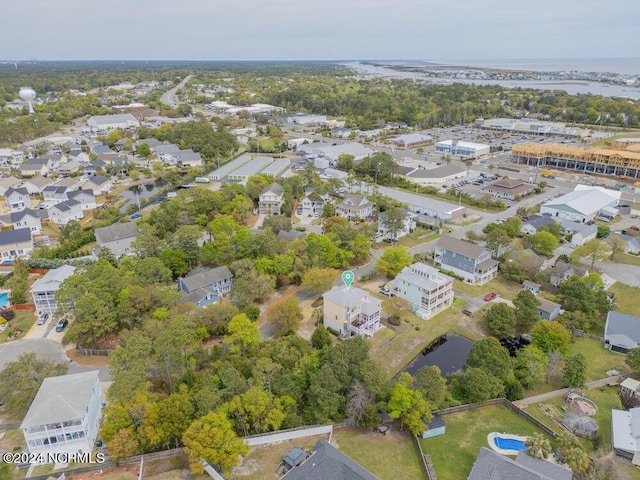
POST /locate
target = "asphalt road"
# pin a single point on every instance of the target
(169, 97)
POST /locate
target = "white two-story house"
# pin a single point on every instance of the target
(62, 213)
(351, 311)
(17, 198)
(354, 206)
(271, 199)
(43, 291)
(425, 288)
(26, 218)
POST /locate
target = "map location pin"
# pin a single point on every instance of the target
(347, 278)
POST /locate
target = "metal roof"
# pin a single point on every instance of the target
(53, 279)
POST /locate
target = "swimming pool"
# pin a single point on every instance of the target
(4, 299)
(509, 444)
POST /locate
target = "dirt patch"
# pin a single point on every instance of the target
(88, 360)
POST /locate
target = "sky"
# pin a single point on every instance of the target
(318, 29)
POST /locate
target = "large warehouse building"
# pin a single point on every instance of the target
(465, 149)
(112, 122)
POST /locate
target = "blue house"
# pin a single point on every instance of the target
(532, 287)
(203, 286)
(435, 428)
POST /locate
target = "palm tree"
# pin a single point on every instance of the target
(567, 440)
(577, 460)
(491, 167)
(538, 446)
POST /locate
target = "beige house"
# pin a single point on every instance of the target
(351, 311)
(271, 199)
(354, 206)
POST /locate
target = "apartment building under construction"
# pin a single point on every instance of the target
(604, 161)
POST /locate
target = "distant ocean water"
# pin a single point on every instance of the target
(624, 66)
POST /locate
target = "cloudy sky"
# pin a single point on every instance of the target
(318, 29)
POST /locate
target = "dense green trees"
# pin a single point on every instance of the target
(393, 260)
(500, 319)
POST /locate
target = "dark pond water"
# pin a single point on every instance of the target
(450, 353)
(144, 191)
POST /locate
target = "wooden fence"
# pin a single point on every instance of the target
(24, 306)
(93, 351)
(426, 460)
(582, 333)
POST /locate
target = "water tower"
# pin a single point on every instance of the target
(28, 94)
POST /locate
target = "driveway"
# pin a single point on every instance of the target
(628, 274)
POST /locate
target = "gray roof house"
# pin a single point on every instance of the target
(351, 311)
(15, 244)
(548, 310)
(582, 236)
(44, 289)
(203, 286)
(625, 434)
(327, 462)
(271, 199)
(562, 271)
(492, 466)
(534, 222)
(65, 414)
(632, 244)
(63, 212)
(26, 218)
(354, 206)
(117, 238)
(621, 332)
(468, 260)
(290, 235)
(17, 198)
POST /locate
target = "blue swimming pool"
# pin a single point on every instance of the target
(509, 444)
(4, 299)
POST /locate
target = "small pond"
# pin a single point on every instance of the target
(449, 352)
(144, 191)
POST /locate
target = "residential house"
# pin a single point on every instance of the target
(98, 184)
(354, 206)
(408, 226)
(15, 244)
(548, 310)
(35, 185)
(184, 158)
(425, 288)
(17, 198)
(54, 195)
(85, 198)
(94, 168)
(562, 271)
(468, 260)
(9, 182)
(9, 156)
(625, 434)
(436, 427)
(589, 232)
(117, 238)
(271, 199)
(631, 245)
(531, 286)
(509, 188)
(43, 291)
(34, 167)
(151, 142)
(491, 465)
(26, 218)
(164, 149)
(69, 182)
(81, 157)
(631, 387)
(621, 332)
(69, 167)
(203, 286)
(351, 311)
(313, 203)
(62, 213)
(327, 462)
(64, 417)
(534, 222)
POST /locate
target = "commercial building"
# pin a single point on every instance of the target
(581, 205)
(112, 122)
(222, 172)
(351, 311)
(425, 288)
(65, 414)
(530, 126)
(445, 173)
(508, 188)
(464, 149)
(276, 168)
(468, 260)
(411, 140)
(440, 210)
(604, 161)
(333, 152)
(253, 167)
(43, 291)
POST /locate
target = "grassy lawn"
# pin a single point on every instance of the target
(605, 398)
(626, 297)
(599, 359)
(416, 333)
(504, 288)
(627, 259)
(418, 236)
(388, 457)
(261, 462)
(454, 453)
(23, 321)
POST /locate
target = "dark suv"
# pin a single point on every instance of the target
(61, 324)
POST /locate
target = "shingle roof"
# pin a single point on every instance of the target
(201, 277)
(17, 216)
(52, 279)
(19, 235)
(56, 190)
(115, 232)
(65, 206)
(22, 191)
(328, 463)
(98, 179)
(467, 249)
(274, 188)
(61, 399)
(79, 193)
(492, 466)
(622, 329)
(547, 306)
(537, 221)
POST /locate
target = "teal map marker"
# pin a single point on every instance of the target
(347, 278)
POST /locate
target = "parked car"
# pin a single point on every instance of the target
(135, 216)
(61, 324)
(42, 319)
(489, 296)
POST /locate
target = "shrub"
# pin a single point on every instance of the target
(333, 331)
(394, 320)
(8, 314)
